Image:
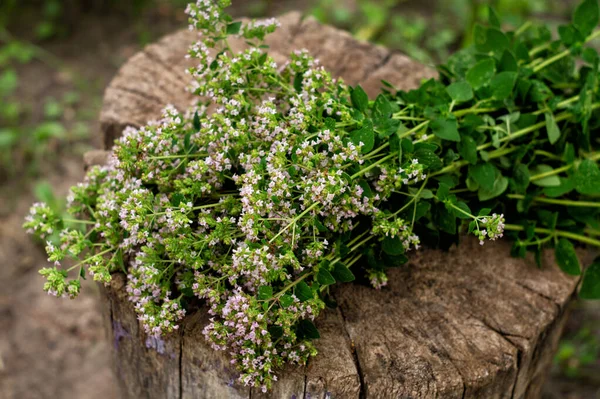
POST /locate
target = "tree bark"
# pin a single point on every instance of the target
(466, 323)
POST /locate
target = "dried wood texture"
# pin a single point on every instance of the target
(469, 323)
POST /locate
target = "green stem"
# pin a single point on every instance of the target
(562, 54)
(587, 204)
(300, 216)
(374, 164)
(557, 233)
(78, 221)
(459, 164)
(413, 199)
(178, 156)
(414, 129)
(89, 258)
(553, 172)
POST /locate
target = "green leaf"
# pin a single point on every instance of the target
(265, 292)
(8, 82)
(590, 287)
(324, 277)
(303, 291)
(460, 91)
(407, 145)
(548, 181)
(342, 273)
(234, 28)
(481, 73)
(500, 185)
(552, 128)
(586, 16)
(502, 85)
(382, 108)
(466, 211)
(286, 300)
(508, 62)
(392, 246)
(521, 177)
(467, 148)
(566, 186)
(483, 174)
(493, 18)
(567, 258)
(365, 136)
(428, 158)
(275, 331)
(496, 40)
(446, 220)
(446, 129)
(307, 329)
(359, 98)
(8, 137)
(587, 178)
(48, 130)
(196, 122)
(387, 126)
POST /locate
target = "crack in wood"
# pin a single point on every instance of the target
(382, 63)
(362, 394)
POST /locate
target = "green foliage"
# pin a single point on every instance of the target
(578, 351)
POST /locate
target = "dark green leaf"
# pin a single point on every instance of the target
(502, 85)
(428, 158)
(567, 258)
(590, 287)
(446, 129)
(508, 63)
(587, 178)
(307, 329)
(359, 98)
(464, 212)
(586, 16)
(500, 185)
(493, 18)
(392, 246)
(548, 181)
(521, 178)
(286, 300)
(481, 73)
(365, 136)
(483, 174)
(467, 148)
(552, 128)
(265, 292)
(324, 277)
(342, 273)
(460, 91)
(234, 28)
(275, 331)
(303, 291)
(566, 186)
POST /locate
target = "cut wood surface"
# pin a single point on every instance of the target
(469, 323)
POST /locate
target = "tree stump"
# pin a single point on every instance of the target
(469, 323)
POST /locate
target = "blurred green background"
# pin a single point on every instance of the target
(56, 57)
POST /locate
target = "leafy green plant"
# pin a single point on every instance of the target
(298, 182)
(577, 353)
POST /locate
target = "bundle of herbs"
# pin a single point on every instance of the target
(297, 181)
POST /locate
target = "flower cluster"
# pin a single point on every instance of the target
(492, 228)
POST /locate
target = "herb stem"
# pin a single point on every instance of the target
(78, 221)
(557, 233)
(555, 201)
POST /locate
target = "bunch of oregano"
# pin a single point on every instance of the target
(297, 181)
